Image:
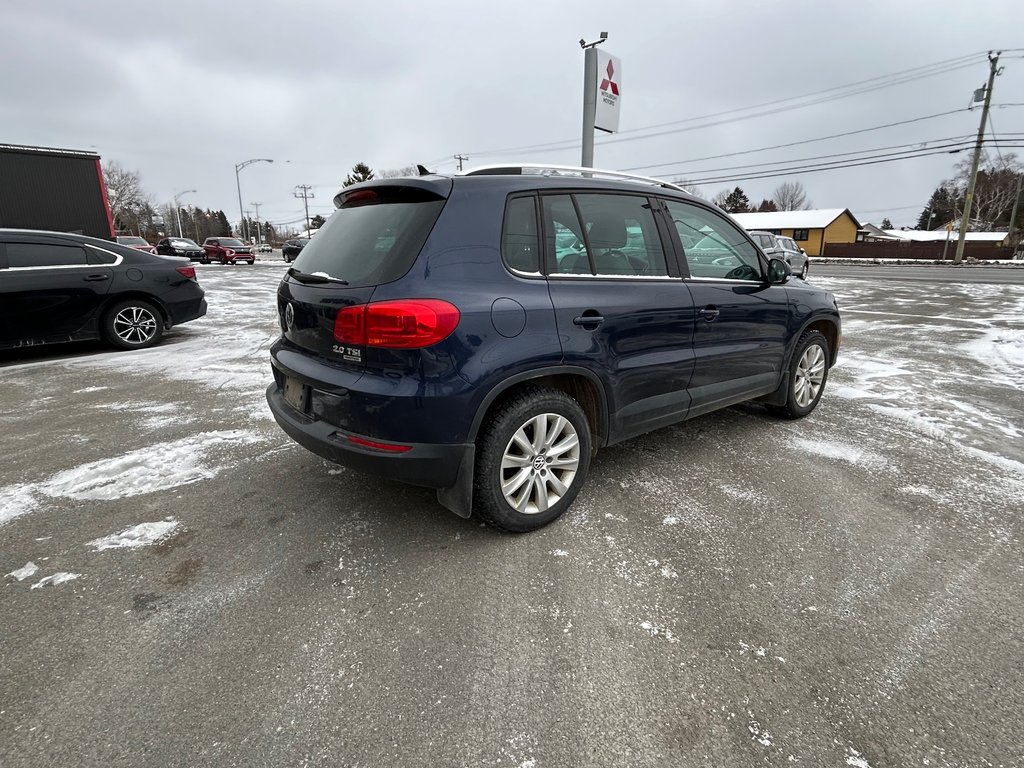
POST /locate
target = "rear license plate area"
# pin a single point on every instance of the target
(295, 394)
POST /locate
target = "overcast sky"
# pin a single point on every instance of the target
(183, 91)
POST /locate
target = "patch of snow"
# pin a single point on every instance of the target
(89, 389)
(559, 553)
(855, 759)
(761, 736)
(141, 535)
(658, 630)
(670, 520)
(155, 468)
(15, 501)
(55, 579)
(841, 451)
(29, 569)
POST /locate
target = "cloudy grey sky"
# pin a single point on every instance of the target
(183, 91)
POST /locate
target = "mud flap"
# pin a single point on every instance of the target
(459, 497)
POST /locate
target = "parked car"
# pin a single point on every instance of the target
(138, 243)
(57, 287)
(485, 334)
(181, 246)
(228, 250)
(264, 248)
(795, 256)
(293, 247)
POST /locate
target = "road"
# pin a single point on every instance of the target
(736, 590)
(1003, 275)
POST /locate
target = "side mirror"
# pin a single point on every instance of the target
(803, 251)
(778, 271)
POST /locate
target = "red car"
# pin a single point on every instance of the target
(135, 242)
(228, 250)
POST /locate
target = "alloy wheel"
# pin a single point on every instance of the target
(540, 463)
(135, 325)
(809, 375)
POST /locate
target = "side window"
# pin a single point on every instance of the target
(622, 235)
(567, 253)
(714, 247)
(801, 234)
(618, 236)
(520, 246)
(44, 255)
(97, 256)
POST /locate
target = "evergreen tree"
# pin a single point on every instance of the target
(737, 201)
(767, 206)
(886, 224)
(318, 221)
(360, 172)
(942, 204)
(219, 227)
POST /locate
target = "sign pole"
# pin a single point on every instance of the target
(589, 104)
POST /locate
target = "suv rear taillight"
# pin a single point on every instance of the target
(402, 324)
(189, 272)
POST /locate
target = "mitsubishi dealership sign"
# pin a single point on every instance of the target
(609, 92)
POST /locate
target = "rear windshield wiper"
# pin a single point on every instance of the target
(314, 277)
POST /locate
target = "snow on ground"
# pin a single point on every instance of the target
(147, 470)
(15, 501)
(55, 579)
(141, 535)
(29, 569)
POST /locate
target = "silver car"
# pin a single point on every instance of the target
(795, 255)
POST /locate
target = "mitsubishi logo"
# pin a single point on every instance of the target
(608, 82)
(289, 316)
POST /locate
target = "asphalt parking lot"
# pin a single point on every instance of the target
(737, 590)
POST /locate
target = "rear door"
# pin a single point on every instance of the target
(48, 290)
(742, 322)
(621, 308)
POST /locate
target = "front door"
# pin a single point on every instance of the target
(742, 326)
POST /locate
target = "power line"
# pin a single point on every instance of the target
(878, 83)
(818, 167)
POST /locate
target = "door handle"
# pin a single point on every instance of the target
(589, 320)
(709, 313)
(96, 278)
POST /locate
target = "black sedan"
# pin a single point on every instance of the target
(293, 247)
(57, 287)
(181, 246)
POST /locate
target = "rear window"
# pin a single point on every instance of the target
(374, 237)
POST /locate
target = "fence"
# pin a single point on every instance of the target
(911, 250)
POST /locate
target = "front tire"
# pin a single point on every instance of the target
(808, 373)
(133, 324)
(532, 460)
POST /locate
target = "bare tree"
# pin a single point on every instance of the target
(125, 196)
(394, 173)
(791, 196)
(993, 193)
(720, 198)
(690, 187)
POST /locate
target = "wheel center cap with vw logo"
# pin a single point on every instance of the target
(538, 462)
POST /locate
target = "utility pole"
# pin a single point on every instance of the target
(460, 158)
(965, 219)
(589, 98)
(259, 231)
(305, 194)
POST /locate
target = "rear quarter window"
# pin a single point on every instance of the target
(375, 238)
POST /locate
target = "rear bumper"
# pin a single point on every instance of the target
(424, 464)
(182, 311)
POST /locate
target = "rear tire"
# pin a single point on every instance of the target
(532, 460)
(808, 373)
(133, 324)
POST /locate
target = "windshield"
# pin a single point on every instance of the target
(131, 241)
(183, 243)
(375, 239)
(231, 242)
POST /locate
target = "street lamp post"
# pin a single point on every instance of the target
(177, 208)
(238, 185)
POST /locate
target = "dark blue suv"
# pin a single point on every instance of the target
(485, 334)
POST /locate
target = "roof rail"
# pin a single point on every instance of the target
(543, 169)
